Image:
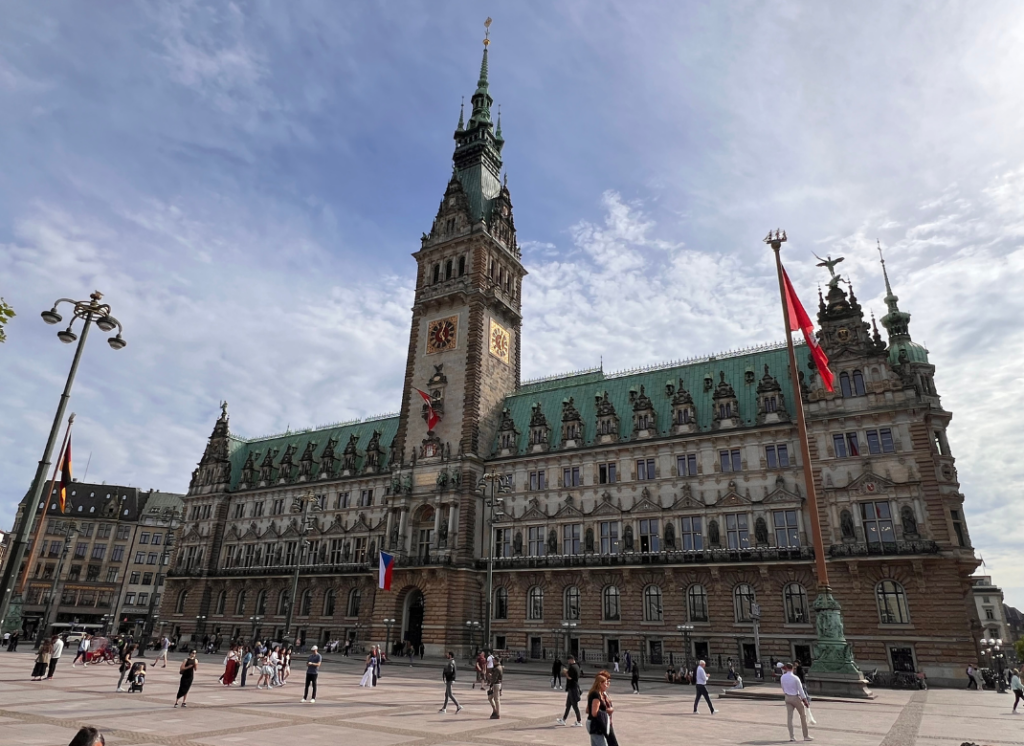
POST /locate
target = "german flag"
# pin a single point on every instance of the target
(65, 474)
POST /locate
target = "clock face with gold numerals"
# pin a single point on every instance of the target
(442, 334)
(499, 341)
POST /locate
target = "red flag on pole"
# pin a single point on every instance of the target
(798, 319)
(65, 474)
(432, 417)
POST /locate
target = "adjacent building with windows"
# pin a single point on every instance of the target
(991, 610)
(633, 502)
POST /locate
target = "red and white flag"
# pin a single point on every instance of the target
(798, 319)
(432, 416)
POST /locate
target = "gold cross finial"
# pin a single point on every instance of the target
(487, 31)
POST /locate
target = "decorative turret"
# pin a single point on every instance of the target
(897, 323)
(844, 334)
(214, 471)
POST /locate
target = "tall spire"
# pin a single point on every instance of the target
(462, 108)
(481, 97)
(897, 324)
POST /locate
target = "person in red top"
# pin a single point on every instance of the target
(481, 662)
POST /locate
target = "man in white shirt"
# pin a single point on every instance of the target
(796, 699)
(165, 645)
(83, 648)
(58, 648)
(702, 688)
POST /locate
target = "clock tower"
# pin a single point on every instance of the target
(464, 345)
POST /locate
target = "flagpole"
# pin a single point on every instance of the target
(776, 242)
(833, 671)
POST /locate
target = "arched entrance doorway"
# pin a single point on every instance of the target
(412, 622)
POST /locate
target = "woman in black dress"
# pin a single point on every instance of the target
(188, 672)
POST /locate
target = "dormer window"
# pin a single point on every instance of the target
(683, 416)
(725, 411)
(725, 405)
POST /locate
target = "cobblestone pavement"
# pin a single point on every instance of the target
(403, 710)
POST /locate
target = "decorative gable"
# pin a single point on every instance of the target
(539, 429)
(533, 512)
(607, 419)
(687, 500)
(508, 435)
(572, 424)
(780, 494)
(732, 498)
(644, 418)
(771, 403)
(725, 406)
(684, 414)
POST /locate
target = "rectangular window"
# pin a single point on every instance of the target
(645, 469)
(503, 542)
(736, 531)
(692, 539)
(852, 445)
(846, 444)
(571, 477)
(777, 456)
(686, 465)
(279, 505)
(143, 599)
(133, 579)
(290, 552)
(86, 530)
(571, 538)
(730, 460)
(92, 573)
(144, 537)
(359, 550)
(535, 542)
(839, 445)
(606, 473)
(74, 574)
(257, 509)
(98, 551)
(958, 528)
(112, 575)
(129, 599)
(609, 537)
(336, 551)
(147, 578)
(117, 554)
(537, 481)
(103, 532)
(239, 510)
(80, 549)
(157, 539)
(878, 525)
(123, 532)
(649, 535)
(151, 558)
(887, 443)
(366, 498)
(989, 614)
(342, 501)
(786, 532)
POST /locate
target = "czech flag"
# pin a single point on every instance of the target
(387, 566)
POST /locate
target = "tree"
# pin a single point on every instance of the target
(6, 314)
(1019, 647)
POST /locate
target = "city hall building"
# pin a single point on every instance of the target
(630, 503)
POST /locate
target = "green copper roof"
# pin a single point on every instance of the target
(240, 448)
(743, 371)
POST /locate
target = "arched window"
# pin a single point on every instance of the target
(222, 599)
(501, 603)
(179, 607)
(240, 603)
(437, 273)
(306, 605)
(354, 597)
(535, 603)
(329, 602)
(697, 603)
(795, 598)
(261, 604)
(448, 270)
(892, 603)
(462, 266)
(743, 597)
(571, 610)
(858, 383)
(844, 384)
(282, 603)
(652, 604)
(610, 604)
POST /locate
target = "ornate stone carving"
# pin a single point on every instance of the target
(714, 537)
(846, 526)
(327, 459)
(761, 531)
(349, 455)
(909, 522)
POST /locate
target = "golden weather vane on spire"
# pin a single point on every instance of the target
(487, 31)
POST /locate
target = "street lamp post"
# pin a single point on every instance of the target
(171, 516)
(685, 629)
(200, 626)
(70, 529)
(255, 622)
(90, 312)
(498, 483)
(473, 627)
(567, 628)
(387, 643)
(994, 648)
(303, 506)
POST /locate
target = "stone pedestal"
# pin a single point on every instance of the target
(833, 672)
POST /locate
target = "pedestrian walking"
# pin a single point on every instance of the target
(599, 712)
(246, 662)
(448, 677)
(495, 674)
(572, 692)
(796, 699)
(615, 661)
(42, 661)
(972, 682)
(423, 649)
(12, 647)
(125, 667)
(83, 648)
(478, 666)
(188, 669)
(556, 673)
(635, 679)
(165, 645)
(370, 672)
(1017, 688)
(312, 671)
(408, 651)
(58, 649)
(702, 688)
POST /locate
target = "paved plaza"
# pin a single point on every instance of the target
(402, 709)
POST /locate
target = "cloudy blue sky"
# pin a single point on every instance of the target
(246, 182)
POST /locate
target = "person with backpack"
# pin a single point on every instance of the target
(448, 676)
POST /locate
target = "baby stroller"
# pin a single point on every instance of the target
(137, 677)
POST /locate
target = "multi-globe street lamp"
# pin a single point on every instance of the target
(255, 622)
(473, 627)
(685, 629)
(498, 483)
(89, 312)
(993, 647)
(387, 645)
(567, 628)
